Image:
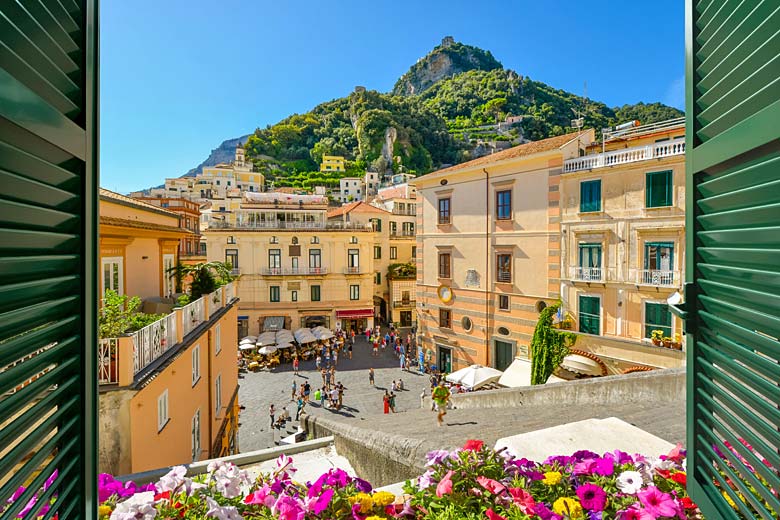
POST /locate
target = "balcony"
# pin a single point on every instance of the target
(295, 226)
(143, 347)
(293, 271)
(404, 303)
(658, 278)
(352, 270)
(587, 274)
(406, 235)
(625, 156)
(409, 212)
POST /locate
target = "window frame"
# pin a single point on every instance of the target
(353, 258)
(195, 365)
(649, 193)
(444, 214)
(647, 329)
(393, 253)
(504, 298)
(195, 437)
(169, 278)
(414, 251)
(445, 318)
(354, 292)
(277, 289)
(377, 252)
(217, 338)
(319, 293)
(448, 274)
(590, 246)
(218, 394)
(588, 206)
(315, 254)
(163, 417)
(111, 260)
(275, 254)
(503, 269)
(665, 244)
(580, 313)
(503, 207)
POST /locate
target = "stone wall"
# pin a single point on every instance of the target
(114, 439)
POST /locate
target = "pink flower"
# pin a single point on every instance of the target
(491, 485)
(592, 497)
(288, 508)
(656, 502)
(261, 496)
(634, 513)
(523, 500)
(445, 486)
(320, 504)
(492, 515)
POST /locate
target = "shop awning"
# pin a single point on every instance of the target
(359, 313)
(273, 323)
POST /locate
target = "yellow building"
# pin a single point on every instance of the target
(332, 163)
(296, 266)
(488, 261)
(623, 244)
(168, 392)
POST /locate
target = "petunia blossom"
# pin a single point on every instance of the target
(491, 485)
(592, 497)
(425, 480)
(288, 508)
(436, 457)
(656, 502)
(492, 515)
(262, 496)
(629, 482)
(523, 500)
(445, 485)
(138, 507)
(319, 504)
(473, 445)
(221, 512)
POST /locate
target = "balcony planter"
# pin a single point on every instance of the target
(657, 336)
(667, 341)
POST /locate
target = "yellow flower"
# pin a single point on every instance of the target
(104, 511)
(566, 506)
(729, 499)
(552, 477)
(366, 502)
(383, 498)
(374, 517)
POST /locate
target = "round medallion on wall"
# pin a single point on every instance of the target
(466, 323)
(503, 331)
(445, 293)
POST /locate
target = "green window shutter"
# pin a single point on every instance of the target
(658, 192)
(590, 196)
(48, 252)
(590, 314)
(732, 297)
(658, 317)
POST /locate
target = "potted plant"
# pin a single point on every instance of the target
(667, 341)
(657, 337)
(677, 342)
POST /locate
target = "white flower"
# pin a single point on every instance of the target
(138, 507)
(229, 479)
(630, 482)
(172, 480)
(221, 512)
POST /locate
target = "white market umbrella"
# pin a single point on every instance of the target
(475, 376)
(284, 345)
(581, 365)
(247, 346)
(267, 350)
(322, 333)
(519, 374)
(248, 339)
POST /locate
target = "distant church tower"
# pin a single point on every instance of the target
(240, 156)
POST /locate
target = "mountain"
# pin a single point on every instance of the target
(223, 153)
(444, 61)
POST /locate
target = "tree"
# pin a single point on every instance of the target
(548, 346)
(495, 106)
(120, 314)
(206, 277)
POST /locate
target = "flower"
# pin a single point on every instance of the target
(173, 479)
(364, 501)
(634, 513)
(473, 445)
(592, 497)
(629, 482)
(221, 512)
(319, 504)
(729, 499)
(138, 507)
(687, 503)
(261, 496)
(437, 457)
(383, 498)
(445, 486)
(680, 477)
(363, 485)
(104, 510)
(568, 507)
(552, 477)
(491, 485)
(424, 481)
(523, 500)
(543, 512)
(492, 515)
(288, 508)
(604, 466)
(657, 502)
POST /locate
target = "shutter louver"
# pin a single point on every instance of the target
(733, 290)
(48, 219)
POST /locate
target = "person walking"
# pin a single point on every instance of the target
(376, 348)
(335, 357)
(400, 384)
(322, 373)
(296, 364)
(294, 390)
(402, 360)
(334, 398)
(392, 402)
(340, 388)
(441, 395)
(318, 361)
(327, 379)
(349, 348)
(371, 377)
(272, 412)
(318, 395)
(306, 391)
(301, 405)
(386, 402)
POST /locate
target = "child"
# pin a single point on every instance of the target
(371, 377)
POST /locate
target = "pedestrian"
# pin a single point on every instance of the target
(371, 377)
(318, 361)
(335, 358)
(294, 390)
(284, 416)
(393, 388)
(317, 394)
(272, 412)
(322, 373)
(400, 384)
(376, 348)
(327, 357)
(441, 396)
(306, 391)
(334, 398)
(323, 396)
(295, 365)
(340, 388)
(301, 405)
(403, 361)
(349, 348)
(327, 379)
(392, 402)
(387, 338)
(386, 402)
(384, 344)
(422, 398)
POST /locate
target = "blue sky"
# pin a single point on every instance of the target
(179, 77)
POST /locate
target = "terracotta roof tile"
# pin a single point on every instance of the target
(121, 199)
(357, 207)
(138, 224)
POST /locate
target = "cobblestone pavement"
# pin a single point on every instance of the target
(361, 401)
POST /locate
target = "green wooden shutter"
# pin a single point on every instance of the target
(48, 240)
(590, 196)
(732, 308)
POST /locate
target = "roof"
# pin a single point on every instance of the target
(521, 150)
(138, 224)
(396, 192)
(356, 207)
(129, 201)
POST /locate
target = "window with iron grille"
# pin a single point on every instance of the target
(590, 196)
(445, 265)
(445, 318)
(504, 268)
(504, 205)
(444, 211)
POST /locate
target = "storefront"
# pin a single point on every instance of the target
(357, 319)
(319, 320)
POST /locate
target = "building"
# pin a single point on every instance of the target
(371, 184)
(332, 163)
(297, 267)
(623, 244)
(488, 261)
(168, 392)
(189, 219)
(351, 189)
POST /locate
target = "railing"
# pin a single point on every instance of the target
(214, 301)
(627, 155)
(587, 274)
(352, 270)
(152, 341)
(192, 315)
(658, 278)
(293, 271)
(404, 303)
(353, 226)
(108, 362)
(229, 291)
(400, 236)
(408, 212)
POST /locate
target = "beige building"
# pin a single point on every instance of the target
(295, 264)
(623, 244)
(488, 235)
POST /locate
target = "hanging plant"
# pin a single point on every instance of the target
(548, 346)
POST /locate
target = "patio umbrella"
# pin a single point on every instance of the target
(322, 333)
(248, 341)
(284, 345)
(267, 350)
(247, 346)
(475, 376)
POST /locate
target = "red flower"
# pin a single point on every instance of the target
(680, 478)
(473, 445)
(665, 473)
(165, 495)
(492, 515)
(687, 503)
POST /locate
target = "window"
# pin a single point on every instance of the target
(196, 435)
(658, 317)
(444, 211)
(218, 394)
(377, 222)
(353, 260)
(315, 293)
(378, 278)
(275, 295)
(445, 265)
(445, 318)
(590, 255)
(231, 257)
(112, 274)
(658, 191)
(274, 258)
(315, 259)
(354, 292)
(659, 256)
(217, 338)
(195, 364)
(408, 229)
(294, 296)
(590, 314)
(504, 268)
(377, 252)
(590, 196)
(353, 240)
(393, 253)
(168, 276)
(406, 297)
(503, 302)
(315, 240)
(466, 323)
(414, 251)
(162, 411)
(393, 228)
(274, 240)
(504, 205)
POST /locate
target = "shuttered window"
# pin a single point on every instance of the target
(50, 278)
(732, 295)
(590, 196)
(657, 317)
(590, 314)
(658, 189)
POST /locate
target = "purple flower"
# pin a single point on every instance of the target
(585, 467)
(425, 480)
(656, 502)
(604, 466)
(594, 515)
(621, 457)
(288, 508)
(592, 497)
(337, 477)
(50, 480)
(544, 512)
(561, 460)
(437, 457)
(362, 485)
(16, 494)
(584, 454)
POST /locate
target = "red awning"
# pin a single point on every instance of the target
(359, 313)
